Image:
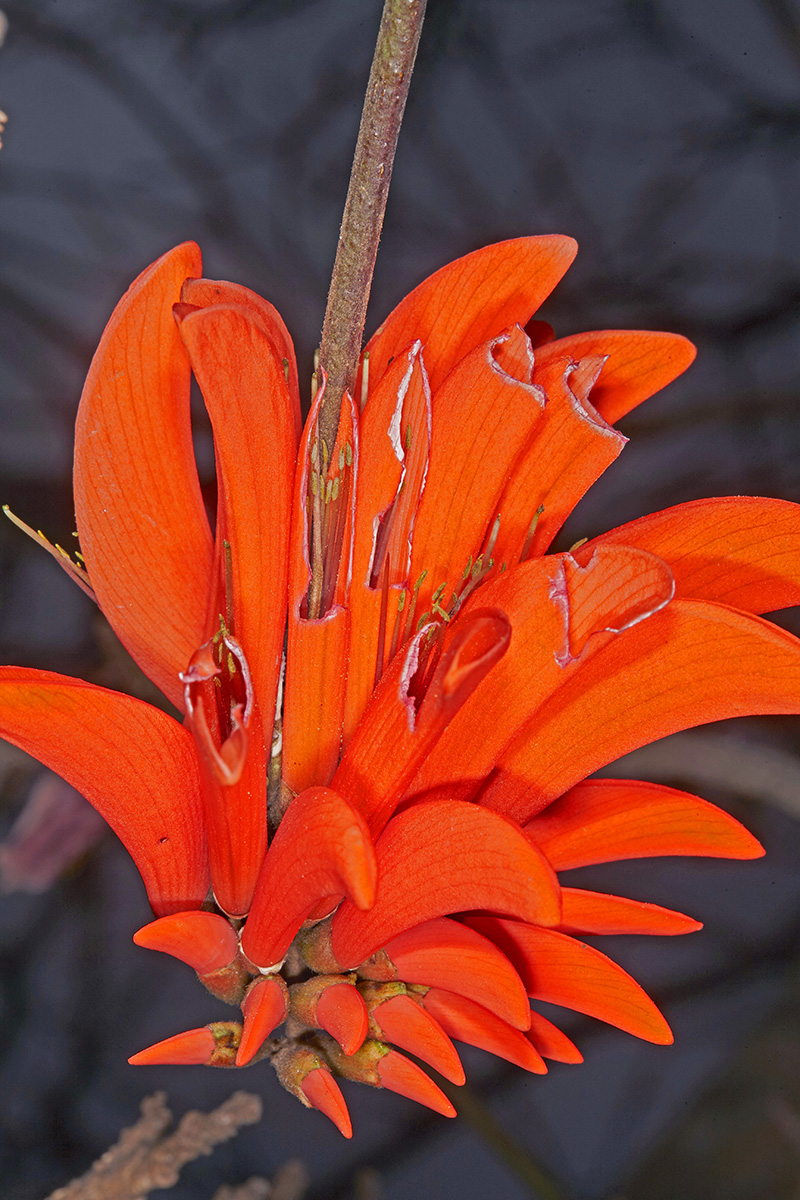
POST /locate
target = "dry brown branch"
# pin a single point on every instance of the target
(147, 1156)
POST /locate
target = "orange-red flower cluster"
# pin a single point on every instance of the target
(392, 692)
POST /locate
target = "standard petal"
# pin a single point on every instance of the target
(561, 970)
(471, 300)
(135, 764)
(143, 528)
(604, 820)
(483, 417)
(689, 664)
(204, 292)
(322, 848)
(737, 550)
(441, 858)
(639, 364)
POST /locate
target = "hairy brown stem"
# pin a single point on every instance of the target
(345, 314)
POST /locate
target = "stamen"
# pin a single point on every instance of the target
(226, 546)
(382, 621)
(76, 571)
(526, 545)
(364, 378)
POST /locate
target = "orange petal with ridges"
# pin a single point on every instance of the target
(204, 292)
(551, 1042)
(482, 420)
(406, 716)
(394, 440)
(132, 762)
(446, 954)
(560, 970)
(399, 1074)
(323, 1093)
(604, 820)
(738, 550)
(403, 1023)
(316, 654)
(596, 912)
(559, 608)
(322, 848)
(264, 1008)
(471, 300)
(441, 858)
(466, 1021)
(691, 663)
(569, 449)
(192, 1048)
(143, 528)
(203, 940)
(342, 1013)
(640, 363)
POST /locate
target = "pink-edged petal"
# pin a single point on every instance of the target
(135, 764)
(738, 550)
(471, 300)
(596, 912)
(143, 528)
(441, 858)
(604, 820)
(560, 970)
(322, 848)
(691, 663)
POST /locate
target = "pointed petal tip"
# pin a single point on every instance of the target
(323, 1093)
(399, 1074)
(412, 1028)
(203, 940)
(342, 1013)
(264, 1008)
(194, 1047)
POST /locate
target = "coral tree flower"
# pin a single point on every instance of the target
(367, 851)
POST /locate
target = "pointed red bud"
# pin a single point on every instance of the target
(264, 1007)
(323, 1092)
(469, 1022)
(341, 1012)
(444, 953)
(551, 1042)
(206, 941)
(399, 1074)
(401, 1021)
(213, 1046)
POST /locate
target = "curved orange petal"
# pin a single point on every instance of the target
(441, 858)
(264, 1008)
(322, 848)
(596, 912)
(471, 300)
(204, 292)
(550, 1042)
(446, 954)
(691, 663)
(323, 1093)
(401, 1021)
(482, 418)
(143, 528)
(394, 440)
(399, 726)
(399, 1074)
(466, 1021)
(558, 608)
(135, 764)
(195, 1047)
(341, 1012)
(737, 550)
(569, 449)
(640, 363)
(205, 941)
(604, 820)
(560, 970)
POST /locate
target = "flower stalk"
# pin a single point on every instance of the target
(384, 104)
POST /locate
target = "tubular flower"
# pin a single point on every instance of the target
(363, 848)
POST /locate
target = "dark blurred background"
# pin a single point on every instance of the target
(664, 135)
